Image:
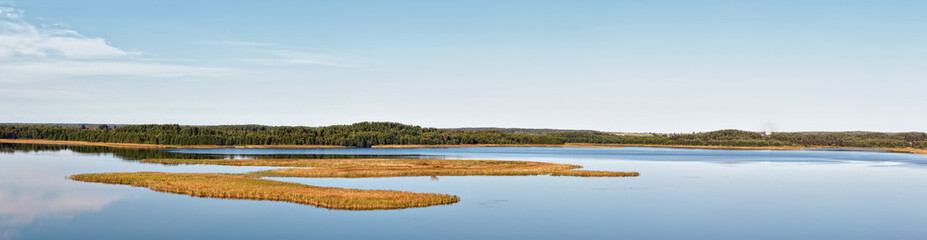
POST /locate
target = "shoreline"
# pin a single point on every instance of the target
(498, 145)
(722, 147)
(582, 145)
(891, 150)
(153, 146)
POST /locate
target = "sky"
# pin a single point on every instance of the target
(629, 66)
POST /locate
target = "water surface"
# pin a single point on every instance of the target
(681, 193)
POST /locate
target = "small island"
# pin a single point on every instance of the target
(250, 186)
(234, 186)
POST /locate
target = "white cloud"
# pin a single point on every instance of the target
(10, 13)
(21, 38)
(29, 52)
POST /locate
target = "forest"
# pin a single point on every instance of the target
(364, 134)
(367, 134)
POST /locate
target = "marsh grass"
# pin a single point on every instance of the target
(372, 168)
(235, 186)
(592, 173)
(250, 186)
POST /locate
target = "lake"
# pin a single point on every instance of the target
(680, 194)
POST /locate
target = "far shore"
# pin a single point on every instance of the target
(583, 145)
(500, 145)
(898, 150)
(153, 146)
(720, 147)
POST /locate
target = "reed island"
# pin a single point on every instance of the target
(251, 186)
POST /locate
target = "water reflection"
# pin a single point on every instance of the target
(29, 194)
(682, 193)
(139, 154)
(34, 188)
(21, 209)
(560, 153)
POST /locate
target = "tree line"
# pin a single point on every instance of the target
(366, 134)
(755, 139)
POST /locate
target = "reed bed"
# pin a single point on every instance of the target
(372, 168)
(235, 186)
(250, 186)
(592, 173)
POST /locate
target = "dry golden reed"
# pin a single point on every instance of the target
(250, 186)
(234, 186)
(371, 168)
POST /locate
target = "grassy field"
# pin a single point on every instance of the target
(370, 168)
(233, 186)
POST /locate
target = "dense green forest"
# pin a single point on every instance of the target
(363, 134)
(367, 134)
(514, 130)
(135, 154)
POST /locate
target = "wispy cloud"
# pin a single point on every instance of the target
(232, 43)
(285, 57)
(125, 68)
(37, 95)
(31, 51)
(18, 37)
(270, 54)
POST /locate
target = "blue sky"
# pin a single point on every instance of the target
(651, 66)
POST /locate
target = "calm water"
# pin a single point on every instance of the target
(681, 194)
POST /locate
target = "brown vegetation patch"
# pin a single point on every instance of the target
(250, 186)
(370, 168)
(235, 186)
(592, 173)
